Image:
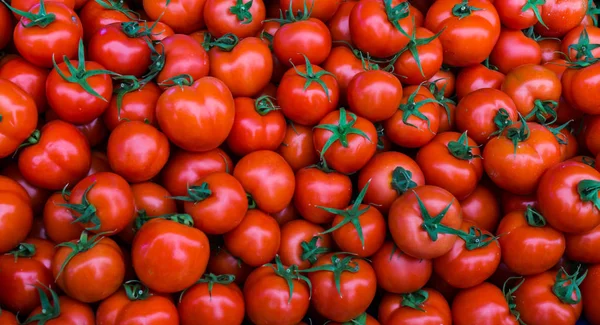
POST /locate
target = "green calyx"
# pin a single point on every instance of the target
(135, 290)
(33, 138)
(510, 297)
(475, 239)
(157, 63)
(351, 215)
(588, 190)
(396, 13)
(23, 250)
(85, 209)
(133, 29)
(127, 84)
(182, 218)
(463, 9)
(415, 300)
(411, 107)
(534, 218)
(195, 194)
(226, 42)
(181, 81)
(593, 11)
(312, 76)
(290, 16)
(589, 161)
(118, 5)
(543, 108)
(501, 121)
(80, 75)
(337, 267)
(42, 19)
(289, 275)
(341, 131)
(460, 149)
(50, 310)
(518, 134)
(567, 286)
(241, 11)
(84, 244)
(212, 279)
(380, 136)
(402, 180)
(556, 131)
(311, 251)
(265, 104)
(251, 201)
(583, 48)
(534, 6)
(439, 93)
(433, 224)
(360, 320)
(414, 43)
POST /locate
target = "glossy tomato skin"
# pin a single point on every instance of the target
(38, 196)
(560, 17)
(514, 49)
(297, 147)
(372, 224)
(476, 77)
(183, 55)
(405, 221)
(58, 220)
(436, 311)
(322, 10)
(6, 317)
(344, 64)
(6, 30)
(119, 309)
(60, 38)
(246, 69)
(138, 105)
(71, 312)
(589, 293)
(317, 188)
(156, 265)
(429, 55)
(244, 241)
(95, 15)
(99, 163)
(222, 304)
(25, 5)
(16, 217)
(19, 111)
(221, 262)
(309, 37)
(570, 214)
(468, 305)
(60, 156)
(581, 247)
(398, 272)
(294, 235)
(268, 178)
(220, 19)
(183, 16)
(375, 94)
(28, 77)
(482, 208)
(513, 14)
(339, 24)
(582, 81)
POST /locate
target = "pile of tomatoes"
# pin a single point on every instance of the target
(299, 162)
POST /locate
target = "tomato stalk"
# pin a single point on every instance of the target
(561, 138)
(588, 161)
(242, 11)
(588, 190)
(311, 76)
(251, 201)
(84, 244)
(461, 149)
(290, 17)
(85, 209)
(264, 105)
(211, 279)
(567, 286)
(49, 310)
(413, 45)
(119, 6)
(433, 224)
(33, 138)
(439, 95)
(182, 218)
(463, 9)
(337, 267)
(543, 108)
(157, 63)
(510, 298)
(179, 80)
(534, 218)
(476, 239)
(289, 274)
(518, 134)
(195, 193)
(226, 42)
(411, 107)
(360, 320)
(534, 6)
(501, 121)
(380, 136)
(415, 299)
(593, 11)
(23, 250)
(126, 85)
(396, 13)
(402, 180)
(341, 131)
(583, 48)
(42, 19)
(135, 290)
(311, 251)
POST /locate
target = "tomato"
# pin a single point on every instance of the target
(96, 14)
(286, 215)
(519, 14)
(425, 307)
(375, 94)
(398, 272)
(302, 38)
(577, 86)
(132, 102)
(469, 305)
(589, 294)
(344, 64)
(514, 49)
(319, 188)
(340, 135)
(6, 317)
(256, 239)
(391, 174)
(577, 186)
(559, 17)
(342, 286)
(363, 318)
(217, 203)
(102, 202)
(423, 222)
(421, 59)
(186, 168)
(468, 34)
(16, 217)
(19, 112)
(294, 97)
(38, 196)
(297, 147)
(62, 310)
(482, 208)
(302, 243)
(322, 10)
(339, 24)
(184, 16)
(214, 300)
(550, 298)
(513, 202)
(581, 246)
(568, 142)
(577, 43)
(38, 43)
(381, 28)
(516, 160)
(267, 178)
(182, 55)
(221, 262)
(58, 220)
(160, 30)
(155, 262)
(99, 163)
(246, 68)
(6, 29)
(29, 77)
(243, 19)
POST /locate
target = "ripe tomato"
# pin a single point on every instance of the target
(577, 81)
(102, 202)
(28, 77)
(19, 112)
(559, 17)
(213, 300)
(221, 262)
(398, 272)
(425, 307)
(342, 286)
(476, 77)
(155, 261)
(255, 240)
(344, 64)
(6, 317)
(421, 59)
(580, 247)
(423, 222)
(589, 294)
(243, 19)
(519, 14)
(97, 14)
(469, 29)
(468, 305)
(302, 242)
(391, 174)
(286, 215)
(184, 16)
(132, 102)
(363, 318)
(58, 220)
(99, 163)
(62, 310)
(38, 196)
(56, 156)
(514, 49)
(16, 217)
(297, 147)
(182, 55)
(482, 208)
(341, 135)
(578, 43)
(375, 103)
(89, 270)
(339, 24)
(6, 31)
(303, 38)
(576, 184)
(25, 5)
(38, 43)
(206, 106)
(322, 10)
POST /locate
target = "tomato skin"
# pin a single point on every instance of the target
(206, 105)
(223, 304)
(246, 69)
(6, 317)
(589, 294)
(186, 167)
(514, 49)
(513, 16)
(570, 214)
(430, 57)
(482, 208)
(580, 247)
(267, 177)
(38, 196)
(72, 312)
(293, 234)
(476, 77)
(560, 17)
(322, 10)
(29, 77)
(220, 20)
(574, 36)
(357, 289)
(344, 64)
(221, 262)
(6, 31)
(138, 105)
(405, 220)
(94, 16)
(373, 227)
(436, 311)
(156, 265)
(537, 303)
(398, 272)
(305, 37)
(160, 31)
(468, 305)
(18, 109)
(16, 217)
(286, 215)
(58, 220)
(339, 24)
(297, 147)
(60, 38)
(316, 188)
(118, 309)
(245, 243)
(99, 163)
(183, 16)
(466, 40)
(375, 95)
(581, 81)
(183, 55)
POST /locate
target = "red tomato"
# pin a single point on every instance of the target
(16, 217)
(582, 80)
(18, 109)
(297, 147)
(589, 293)
(58, 220)
(95, 15)
(132, 102)
(322, 10)
(559, 17)
(577, 43)
(513, 202)
(214, 300)
(28, 77)
(38, 196)
(398, 272)
(482, 208)
(421, 59)
(99, 163)
(514, 49)
(302, 243)
(243, 19)
(427, 307)
(339, 24)
(6, 317)
(375, 94)
(62, 310)
(304, 38)
(221, 262)
(344, 64)
(581, 247)
(255, 240)
(182, 55)
(519, 14)
(476, 77)
(6, 31)
(286, 215)
(468, 305)
(184, 16)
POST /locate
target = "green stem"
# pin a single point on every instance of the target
(49, 310)
(402, 180)
(460, 149)
(337, 267)
(242, 11)
(311, 251)
(42, 19)
(567, 286)
(341, 131)
(195, 194)
(289, 275)
(534, 218)
(415, 300)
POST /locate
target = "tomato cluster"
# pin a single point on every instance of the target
(299, 162)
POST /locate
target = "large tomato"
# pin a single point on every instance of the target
(375, 103)
(16, 217)
(213, 300)
(28, 77)
(485, 300)
(589, 293)
(18, 117)
(519, 14)
(243, 19)
(398, 272)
